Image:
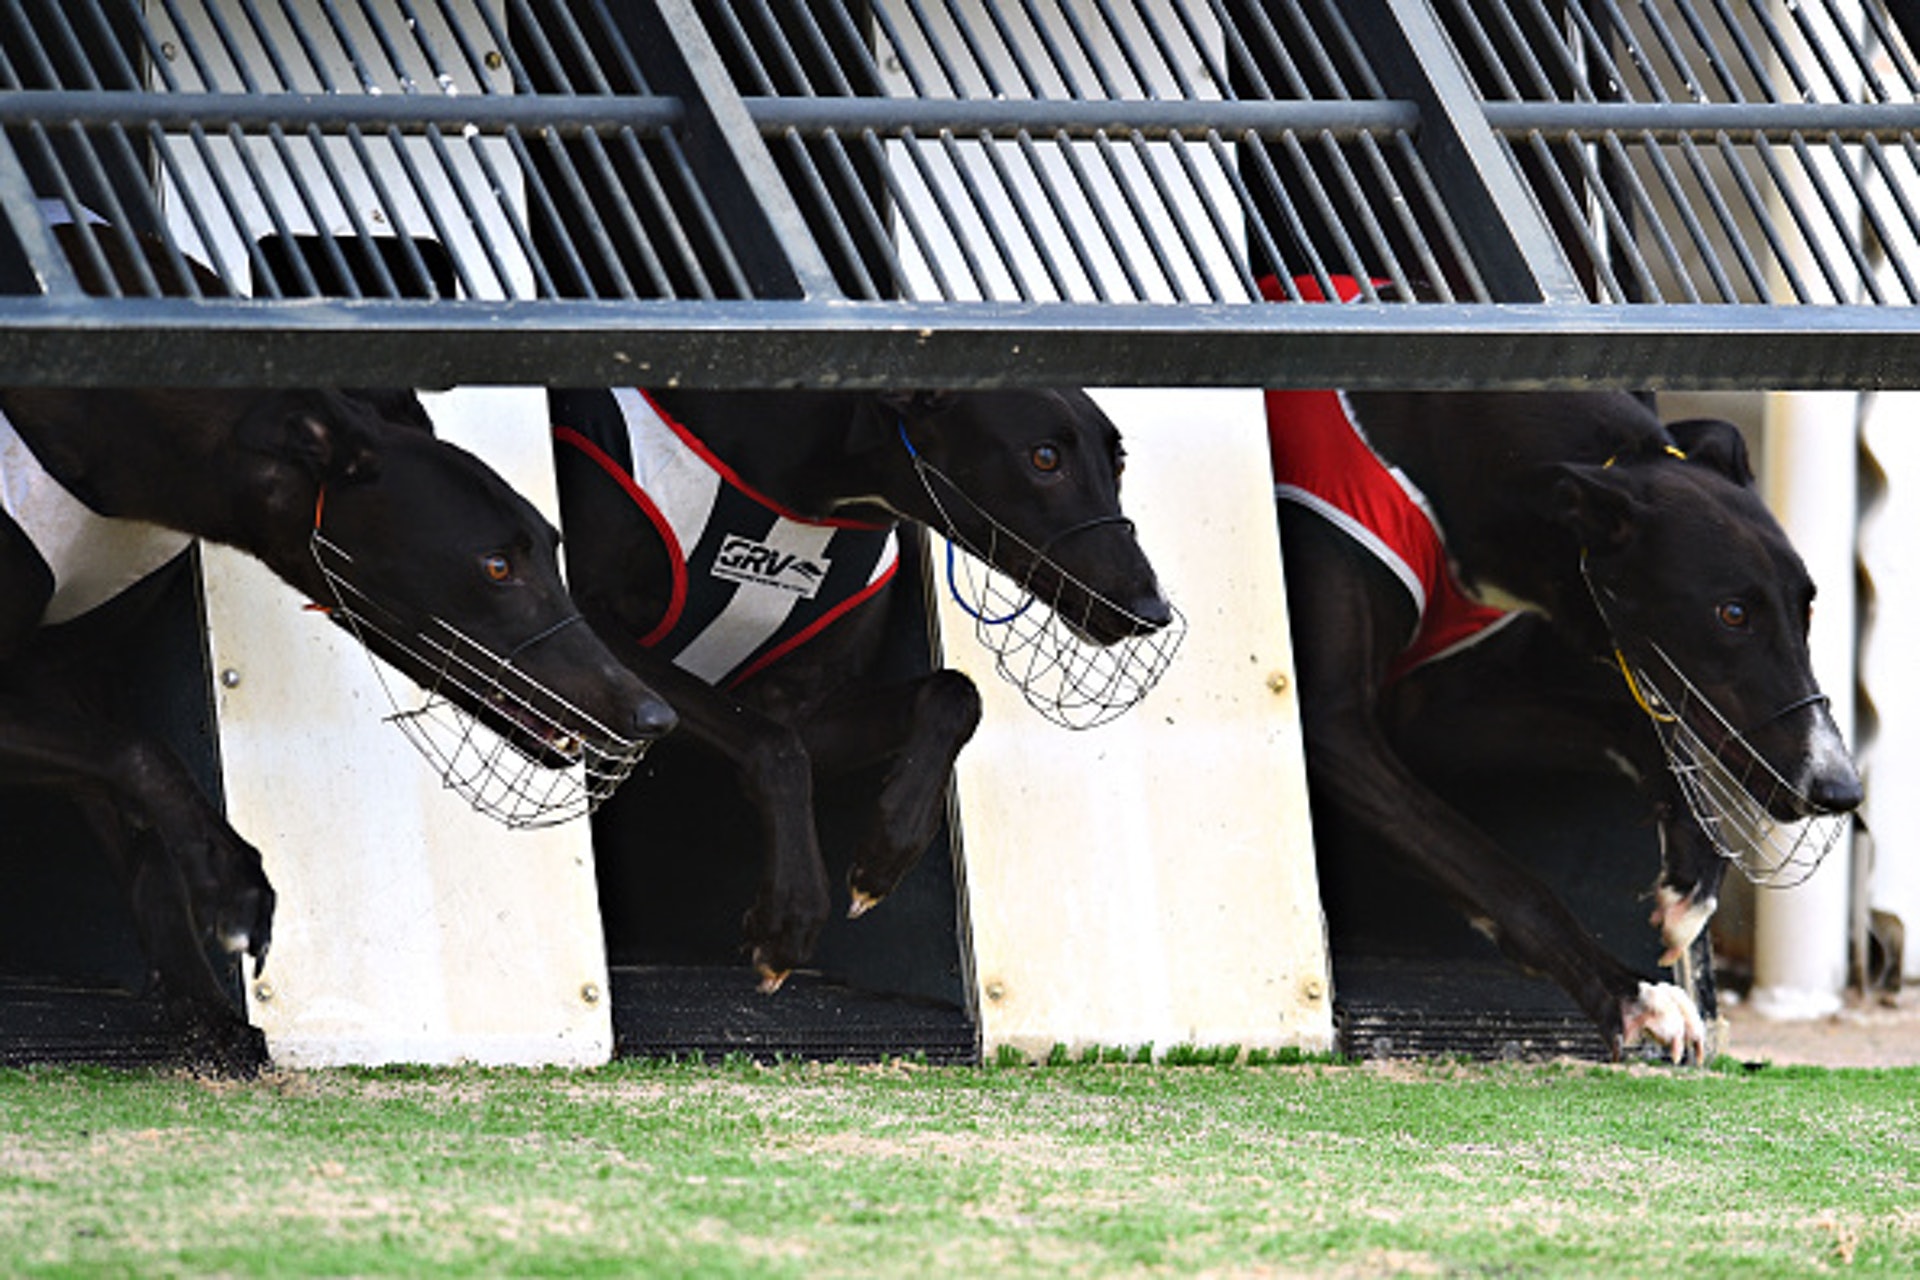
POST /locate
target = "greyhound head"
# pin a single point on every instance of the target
(1030, 481)
(1707, 602)
(453, 578)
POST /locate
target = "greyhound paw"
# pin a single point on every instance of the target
(1680, 917)
(771, 979)
(780, 944)
(1666, 1015)
(868, 885)
(244, 920)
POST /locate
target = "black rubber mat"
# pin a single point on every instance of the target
(1415, 1008)
(53, 1022)
(713, 1011)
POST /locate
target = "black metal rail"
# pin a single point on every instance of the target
(1678, 193)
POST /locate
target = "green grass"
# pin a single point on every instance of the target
(1073, 1168)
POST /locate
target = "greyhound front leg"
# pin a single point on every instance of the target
(1351, 769)
(790, 907)
(218, 1037)
(232, 899)
(1688, 892)
(920, 727)
(53, 745)
(1691, 869)
(786, 917)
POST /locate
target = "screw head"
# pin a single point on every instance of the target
(590, 993)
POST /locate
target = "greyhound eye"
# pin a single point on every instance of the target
(497, 567)
(1045, 457)
(1733, 615)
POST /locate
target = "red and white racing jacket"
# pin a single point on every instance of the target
(752, 581)
(1322, 462)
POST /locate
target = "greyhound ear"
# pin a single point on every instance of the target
(333, 438)
(872, 430)
(1592, 503)
(396, 406)
(1716, 443)
(917, 403)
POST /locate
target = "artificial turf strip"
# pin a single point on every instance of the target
(1075, 1168)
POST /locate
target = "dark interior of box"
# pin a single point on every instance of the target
(73, 980)
(678, 853)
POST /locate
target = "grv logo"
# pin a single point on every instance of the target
(757, 564)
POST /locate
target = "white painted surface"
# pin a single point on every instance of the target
(410, 928)
(1810, 472)
(1152, 880)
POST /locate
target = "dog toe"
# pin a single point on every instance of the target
(771, 979)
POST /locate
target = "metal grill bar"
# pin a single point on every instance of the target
(1027, 187)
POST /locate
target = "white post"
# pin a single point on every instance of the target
(1890, 530)
(1810, 472)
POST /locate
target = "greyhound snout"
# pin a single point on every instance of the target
(1150, 612)
(652, 717)
(1108, 591)
(578, 668)
(647, 716)
(1828, 782)
(1100, 620)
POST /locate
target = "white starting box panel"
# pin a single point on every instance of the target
(1151, 880)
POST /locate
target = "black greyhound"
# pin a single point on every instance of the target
(432, 533)
(801, 702)
(1633, 546)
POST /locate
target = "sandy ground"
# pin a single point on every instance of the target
(1860, 1035)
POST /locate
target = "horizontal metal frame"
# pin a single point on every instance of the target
(335, 113)
(1549, 257)
(1672, 121)
(574, 114)
(959, 345)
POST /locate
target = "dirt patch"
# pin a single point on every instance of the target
(1862, 1034)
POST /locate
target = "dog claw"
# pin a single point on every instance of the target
(860, 902)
